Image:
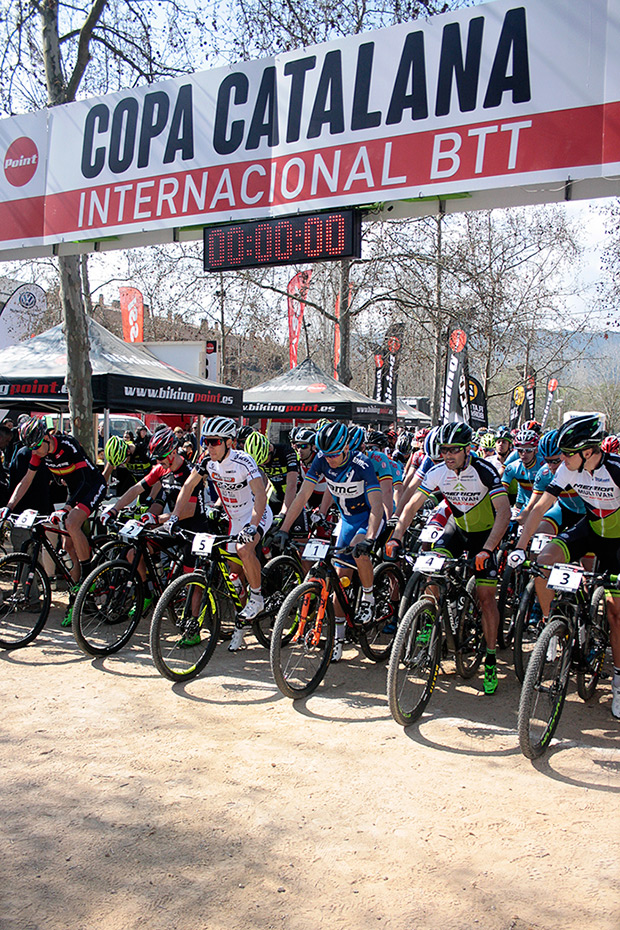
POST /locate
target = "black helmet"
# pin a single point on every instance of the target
(375, 438)
(32, 432)
(332, 438)
(581, 433)
(242, 435)
(162, 443)
(455, 434)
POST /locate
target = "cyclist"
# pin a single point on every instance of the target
(116, 453)
(240, 488)
(503, 447)
(487, 446)
(481, 512)
(67, 460)
(569, 508)
(595, 476)
(280, 465)
(355, 489)
(524, 469)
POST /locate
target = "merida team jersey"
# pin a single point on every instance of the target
(568, 498)
(599, 490)
(470, 493)
(380, 463)
(349, 484)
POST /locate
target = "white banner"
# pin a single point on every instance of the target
(491, 97)
(20, 313)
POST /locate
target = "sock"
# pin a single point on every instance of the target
(367, 595)
(340, 626)
(491, 658)
(616, 679)
(255, 591)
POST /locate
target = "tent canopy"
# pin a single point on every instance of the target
(126, 378)
(307, 393)
(408, 414)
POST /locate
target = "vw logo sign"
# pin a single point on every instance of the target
(27, 300)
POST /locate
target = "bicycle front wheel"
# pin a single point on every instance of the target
(184, 628)
(302, 641)
(25, 599)
(108, 608)
(507, 605)
(594, 648)
(544, 689)
(470, 638)
(414, 663)
(528, 625)
(279, 576)
(377, 637)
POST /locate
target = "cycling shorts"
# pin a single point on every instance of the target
(561, 517)
(347, 530)
(581, 539)
(454, 542)
(88, 495)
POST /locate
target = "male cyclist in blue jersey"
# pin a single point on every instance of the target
(355, 489)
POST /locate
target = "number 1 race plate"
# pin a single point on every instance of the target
(315, 550)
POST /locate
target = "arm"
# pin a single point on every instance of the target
(537, 512)
(409, 512)
(260, 500)
(375, 499)
(183, 505)
(21, 489)
(387, 496)
(298, 504)
(291, 488)
(501, 506)
(409, 488)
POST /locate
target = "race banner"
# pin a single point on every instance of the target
(496, 97)
(551, 389)
(455, 405)
(298, 288)
(477, 404)
(20, 314)
(517, 399)
(529, 407)
(132, 314)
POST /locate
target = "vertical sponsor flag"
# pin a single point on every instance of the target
(529, 412)
(477, 404)
(393, 341)
(551, 388)
(20, 313)
(298, 288)
(337, 337)
(132, 314)
(455, 404)
(378, 391)
(517, 399)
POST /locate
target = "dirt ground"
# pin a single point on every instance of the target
(127, 802)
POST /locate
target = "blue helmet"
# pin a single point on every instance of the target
(431, 444)
(357, 435)
(332, 438)
(548, 445)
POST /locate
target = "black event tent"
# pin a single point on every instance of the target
(126, 378)
(307, 393)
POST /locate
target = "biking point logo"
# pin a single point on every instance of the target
(21, 161)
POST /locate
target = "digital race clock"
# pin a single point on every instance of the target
(315, 237)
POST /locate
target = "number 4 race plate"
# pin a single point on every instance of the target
(429, 563)
(565, 577)
(315, 550)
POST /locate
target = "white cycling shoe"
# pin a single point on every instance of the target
(255, 604)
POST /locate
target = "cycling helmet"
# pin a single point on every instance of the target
(245, 431)
(222, 427)
(526, 438)
(548, 445)
(421, 434)
(357, 435)
(323, 422)
(488, 441)
(533, 425)
(391, 437)
(431, 444)
(304, 435)
(504, 433)
(258, 446)
(116, 451)
(332, 438)
(610, 444)
(162, 443)
(32, 432)
(404, 444)
(376, 438)
(455, 434)
(581, 433)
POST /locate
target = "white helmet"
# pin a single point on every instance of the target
(223, 427)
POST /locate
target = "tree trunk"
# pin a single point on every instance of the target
(344, 367)
(438, 354)
(88, 301)
(79, 369)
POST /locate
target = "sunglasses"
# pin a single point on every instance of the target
(163, 458)
(450, 450)
(569, 452)
(554, 461)
(212, 441)
(302, 445)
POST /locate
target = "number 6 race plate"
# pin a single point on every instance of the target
(202, 544)
(565, 577)
(316, 549)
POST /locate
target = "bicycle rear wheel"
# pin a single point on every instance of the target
(594, 648)
(414, 663)
(25, 599)
(302, 641)
(279, 576)
(412, 593)
(507, 605)
(376, 638)
(544, 689)
(108, 608)
(528, 625)
(184, 628)
(470, 638)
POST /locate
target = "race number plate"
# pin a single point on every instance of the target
(26, 519)
(315, 550)
(565, 577)
(202, 544)
(430, 533)
(131, 529)
(427, 564)
(539, 542)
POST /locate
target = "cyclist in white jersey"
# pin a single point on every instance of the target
(240, 488)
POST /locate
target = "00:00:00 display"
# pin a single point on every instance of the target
(277, 242)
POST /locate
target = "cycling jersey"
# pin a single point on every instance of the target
(231, 479)
(599, 491)
(321, 484)
(349, 484)
(524, 475)
(380, 463)
(171, 481)
(68, 460)
(469, 492)
(568, 498)
(283, 460)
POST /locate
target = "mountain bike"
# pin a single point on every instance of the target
(449, 622)
(303, 634)
(575, 637)
(110, 602)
